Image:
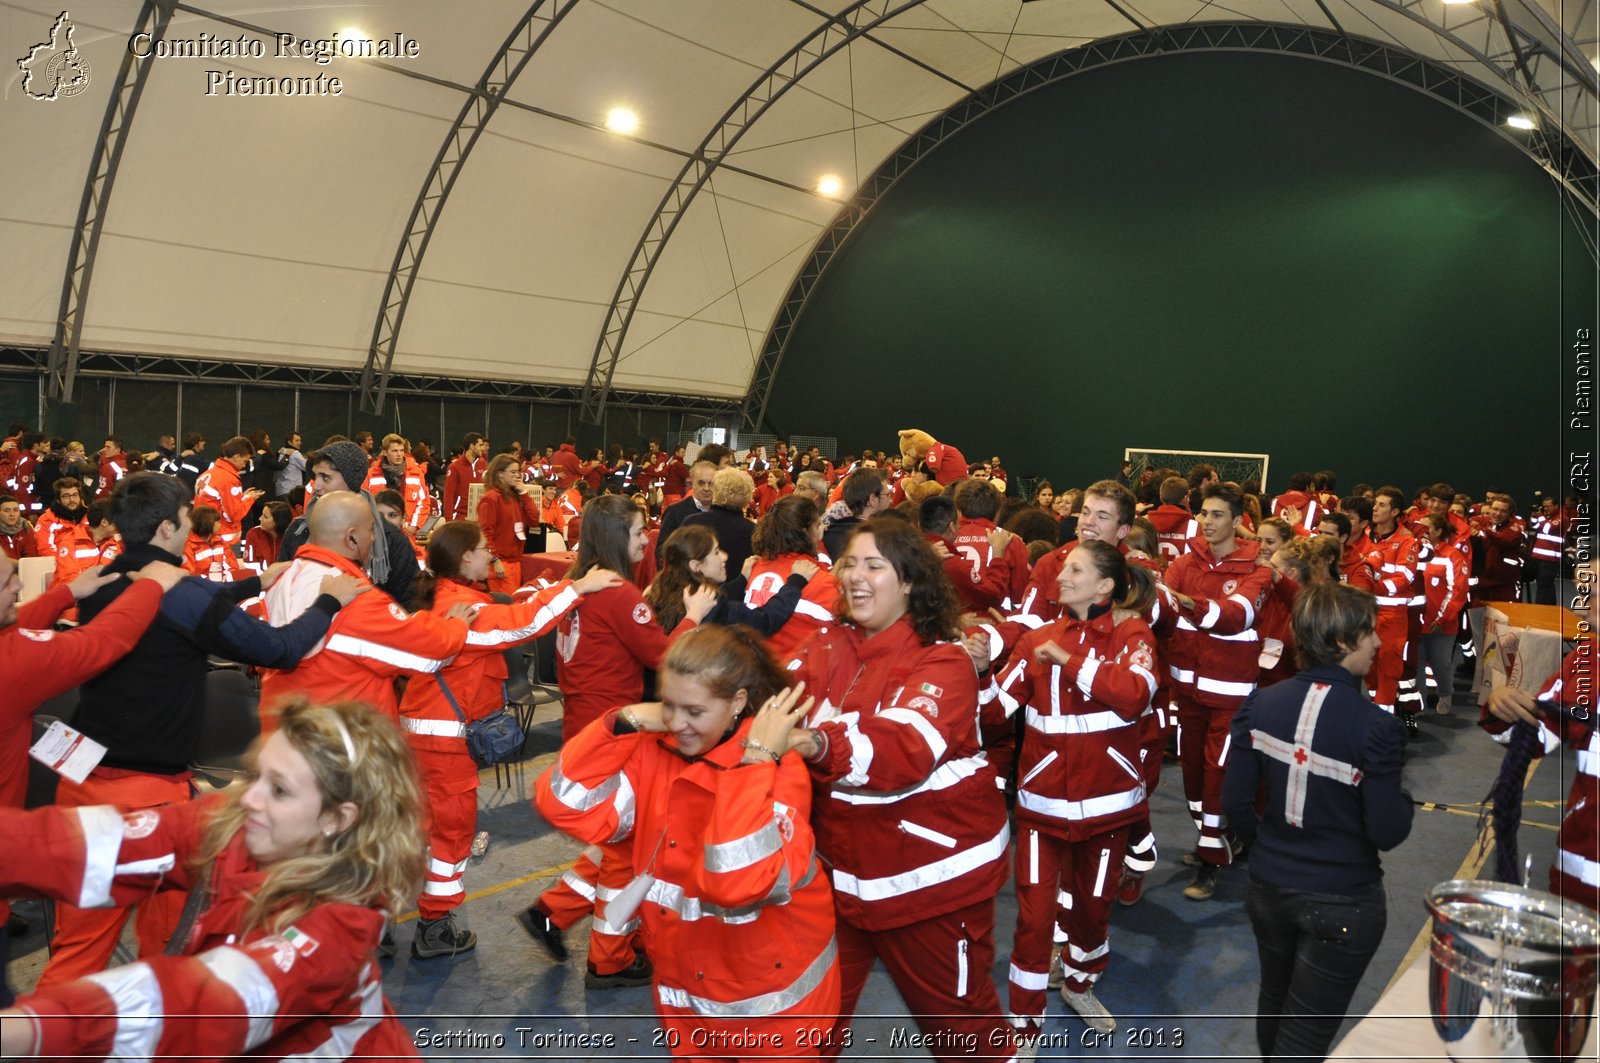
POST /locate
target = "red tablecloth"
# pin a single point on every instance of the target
(546, 566)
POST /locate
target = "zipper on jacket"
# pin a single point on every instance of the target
(1037, 768)
(919, 831)
(961, 964)
(1125, 765)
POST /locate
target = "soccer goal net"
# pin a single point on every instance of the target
(1235, 467)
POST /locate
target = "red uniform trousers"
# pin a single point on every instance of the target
(1141, 854)
(584, 889)
(1389, 666)
(941, 968)
(451, 782)
(792, 1034)
(85, 938)
(1070, 885)
(667, 500)
(1203, 751)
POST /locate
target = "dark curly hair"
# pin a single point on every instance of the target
(934, 609)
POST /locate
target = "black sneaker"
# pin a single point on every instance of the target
(636, 973)
(1204, 884)
(1410, 721)
(386, 947)
(441, 937)
(541, 929)
(17, 926)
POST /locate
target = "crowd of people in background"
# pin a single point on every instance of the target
(816, 711)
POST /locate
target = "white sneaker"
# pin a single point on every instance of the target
(1057, 975)
(1090, 1010)
(1027, 1050)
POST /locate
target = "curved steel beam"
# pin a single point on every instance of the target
(1464, 94)
(62, 369)
(826, 40)
(512, 57)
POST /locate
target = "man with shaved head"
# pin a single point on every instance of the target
(390, 561)
(373, 641)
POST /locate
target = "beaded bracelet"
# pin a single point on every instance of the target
(759, 748)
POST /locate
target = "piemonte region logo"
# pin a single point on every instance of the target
(55, 68)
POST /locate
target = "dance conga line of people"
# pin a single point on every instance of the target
(806, 728)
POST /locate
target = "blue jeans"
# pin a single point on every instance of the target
(1314, 949)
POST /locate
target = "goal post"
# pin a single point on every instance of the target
(1235, 467)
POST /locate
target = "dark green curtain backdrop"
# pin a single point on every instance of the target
(1209, 252)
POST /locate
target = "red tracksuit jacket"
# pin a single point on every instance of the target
(908, 815)
(1216, 651)
(312, 990)
(219, 487)
(370, 643)
(605, 644)
(1080, 774)
(505, 523)
(37, 663)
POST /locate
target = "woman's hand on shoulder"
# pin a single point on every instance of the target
(342, 586)
(596, 579)
(698, 602)
(806, 567)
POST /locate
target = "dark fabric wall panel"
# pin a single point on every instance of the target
(1209, 252)
(322, 414)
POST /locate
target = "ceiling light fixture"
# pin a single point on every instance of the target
(621, 120)
(1520, 121)
(829, 185)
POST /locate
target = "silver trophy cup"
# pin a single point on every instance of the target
(1521, 960)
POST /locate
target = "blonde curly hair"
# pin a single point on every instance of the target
(379, 860)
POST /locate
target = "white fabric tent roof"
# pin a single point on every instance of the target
(263, 229)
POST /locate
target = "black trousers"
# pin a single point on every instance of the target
(1314, 949)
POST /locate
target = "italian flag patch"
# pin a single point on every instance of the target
(303, 943)
(932, 691)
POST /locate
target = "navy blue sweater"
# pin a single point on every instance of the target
(146, 708)
(1343, 787)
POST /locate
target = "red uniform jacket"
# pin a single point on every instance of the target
(370, 643)
(210, 559)
(946, 463)
(261, 546)
(219, 488)
(312, 990)
(1277, 633)
(764, 496)
(1175, 526)
(1080, 769)
(505, 523)
(1393, 561)
(675, 478)
(112, 469)
(78, 552)
(740, 917)
(972, 544)
(909, 818)
(21, 545)
(1503, 555)
(1216, 651)
(980, 587)
(50, 530)
(566, 465)
(477, 675)
(605, 644)
(1310, 511)
(37, 663)
(462, 474)
(414, 490)
(814, 611)
(1444, 593)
